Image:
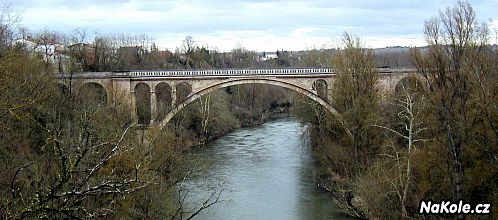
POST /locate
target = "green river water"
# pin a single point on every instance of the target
(266, 173)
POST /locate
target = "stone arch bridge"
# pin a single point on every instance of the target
(160, 90)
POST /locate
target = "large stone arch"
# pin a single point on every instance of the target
(411, 82)
(77, 86)
(94, 91)
(222, 84)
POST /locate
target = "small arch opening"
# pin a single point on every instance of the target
(321, 88)
(409, 84)
(183, 90)
(163, 100)
(142, 97)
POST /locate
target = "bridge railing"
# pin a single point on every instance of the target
(221, 72)
(225, 72)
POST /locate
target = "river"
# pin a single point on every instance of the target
(266, 173)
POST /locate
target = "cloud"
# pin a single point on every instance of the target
(257, 24)
(304, 31)
(256, 40)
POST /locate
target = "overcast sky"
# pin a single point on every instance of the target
(261, 25)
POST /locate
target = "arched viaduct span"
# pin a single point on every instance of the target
(165, 93)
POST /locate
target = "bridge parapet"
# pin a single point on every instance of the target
(230, 72)
(220, 72)
(244, 72)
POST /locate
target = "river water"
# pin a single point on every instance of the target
(266, 173)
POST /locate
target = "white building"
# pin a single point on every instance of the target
(50, 51)
(264, 56)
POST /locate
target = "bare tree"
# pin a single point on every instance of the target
(188, 48)
(186, 209)
(79, 51)
(47, 41)
(355, 94)
(410, 120)
(455, 41)
(317, 58)
(204, 110)
(80, 35)
(8, 26)
(104, 51)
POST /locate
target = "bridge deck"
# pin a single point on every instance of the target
(219, 72)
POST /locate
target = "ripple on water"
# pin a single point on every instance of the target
(266, 172)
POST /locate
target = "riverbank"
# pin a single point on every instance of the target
(243, 119)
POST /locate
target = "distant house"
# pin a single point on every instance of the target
(164, 54)
(45, 48)
(83, 55)
(51, 51)
(264, 56)
(270, 56)
(26, 44)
